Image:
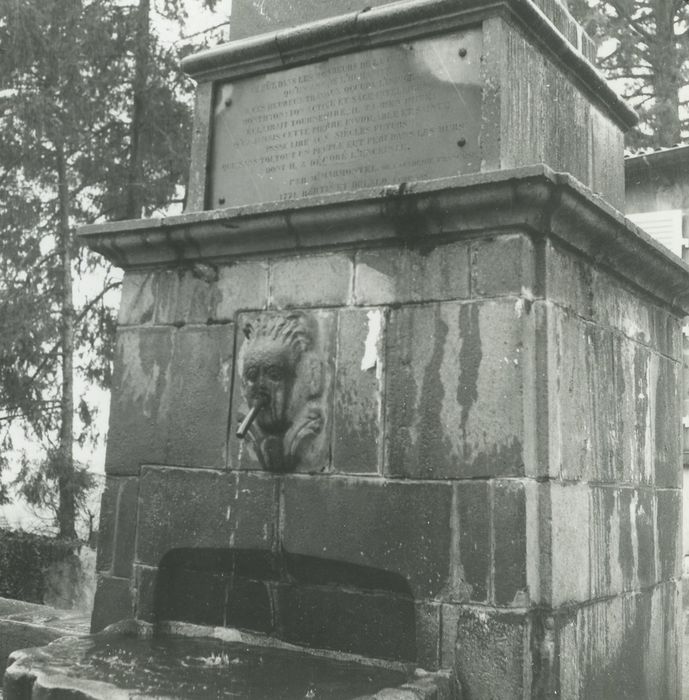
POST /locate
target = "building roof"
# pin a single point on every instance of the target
(658, 160)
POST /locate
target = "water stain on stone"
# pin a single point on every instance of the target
(470, 355)
(431, 433)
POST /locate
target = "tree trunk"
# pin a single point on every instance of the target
(136, 174)
(665, 61)
(66, 514)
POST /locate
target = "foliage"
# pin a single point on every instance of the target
(644, 44)
(81, 82)
(24, 563)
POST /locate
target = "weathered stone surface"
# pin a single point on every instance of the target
(399, 275)
(137, 303)
(24, 625)
(503, 265)
(509, 546)
(571, 397)
(171, 395)
(455, 389)
(474, 512)
(569, 543)
(666, 402)
(606, 533)
(198, 396)
(488, 651)
(316, 280)
(240, 286)
(568, 280)
(305, 444)
(182, 508)
(668, 524)
(634, 430)
(622, 647)
(117, 533)
(396, 527)
(141, 370)
(370, 624)
(428, 635)
(113, 602)
(358, 392)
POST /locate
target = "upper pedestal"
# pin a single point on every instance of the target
(407, 91)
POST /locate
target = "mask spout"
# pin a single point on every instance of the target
(243, 429)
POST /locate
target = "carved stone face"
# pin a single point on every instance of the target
(268, 376)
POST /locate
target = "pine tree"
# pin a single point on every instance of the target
(74, 147)
(644, 44)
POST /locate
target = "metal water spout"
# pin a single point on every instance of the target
(243, 429)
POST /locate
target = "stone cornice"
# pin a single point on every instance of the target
(532, 199)
(398, 22)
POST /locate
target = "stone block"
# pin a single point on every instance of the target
(428, 635)
(145, 597)
(125, 533)
(623, 649)
(606, 383)
(370, 624)
(395, 527)
(299, 447)
(633, 369)
(171, 396)
(183, 508)
(666, 331)
(619, 308)
(669, 533)
(569, 543)
(605, 547)
(568, 280)
(117, 530)
(400, 275)
(663, 657)
(198, 397)
(488, 651)
(665, 387)
(241, 286)
(142, 369)
(113, 602)
(509, 543)
(358, 392)
(455, 389)
(316, 280)
(572, 392)
(503, 265)
(137, 302)
(474, 513)
(196, 294)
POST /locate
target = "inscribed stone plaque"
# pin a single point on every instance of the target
(380, 117)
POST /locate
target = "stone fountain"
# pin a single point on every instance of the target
(400, 388)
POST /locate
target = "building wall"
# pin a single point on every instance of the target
(655, 183)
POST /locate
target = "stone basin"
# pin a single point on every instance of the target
(187, 661)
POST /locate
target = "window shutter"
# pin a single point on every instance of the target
(664, 226)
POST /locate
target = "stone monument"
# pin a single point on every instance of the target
(401, 381)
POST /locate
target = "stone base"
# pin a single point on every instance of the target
(28, 625)
(127, 661)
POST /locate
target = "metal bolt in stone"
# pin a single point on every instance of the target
(462, 52)
(462, 142)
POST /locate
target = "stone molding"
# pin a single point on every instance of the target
(533, 199)
(399, 22)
